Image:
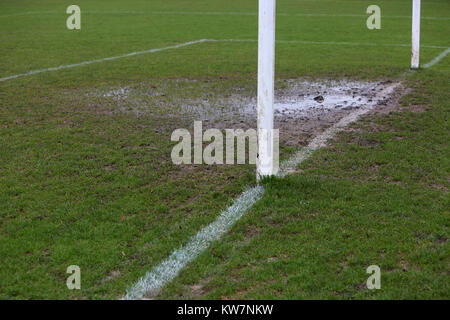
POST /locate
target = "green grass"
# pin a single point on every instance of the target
(377, 196)
(84, 184)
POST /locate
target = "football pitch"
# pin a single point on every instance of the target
(87, 179)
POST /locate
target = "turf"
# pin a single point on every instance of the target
(377, 196)
(84, 184)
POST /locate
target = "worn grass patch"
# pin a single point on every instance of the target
(378, 195)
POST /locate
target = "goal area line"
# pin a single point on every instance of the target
(190, 43)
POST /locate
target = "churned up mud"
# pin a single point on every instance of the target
(302, 109)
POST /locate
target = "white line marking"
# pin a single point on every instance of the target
(215, 13)
(337, 43)
(167, 270)
(68, 66)
(29, 13)
(437, 59)
(320, 141)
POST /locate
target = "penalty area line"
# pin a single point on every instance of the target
(84, 63)
(437, 59)
(136, 53)
(167, 270)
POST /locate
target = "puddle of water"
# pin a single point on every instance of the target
(303, 98)
(308, 103)
(295, 99)
(302, 107)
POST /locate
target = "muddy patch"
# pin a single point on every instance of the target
(303, 108)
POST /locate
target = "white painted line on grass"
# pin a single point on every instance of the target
(437, 59)
(26, 13)
(68, 66)
(167, 270)
(292, 163)
(230, 13)
(243, 13)
(80, 64)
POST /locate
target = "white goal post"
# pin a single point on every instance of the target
(266, 74)
(415, 34)
(265, 101)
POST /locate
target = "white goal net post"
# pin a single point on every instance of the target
(415, 35)
(265, 165)
(265, 103)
